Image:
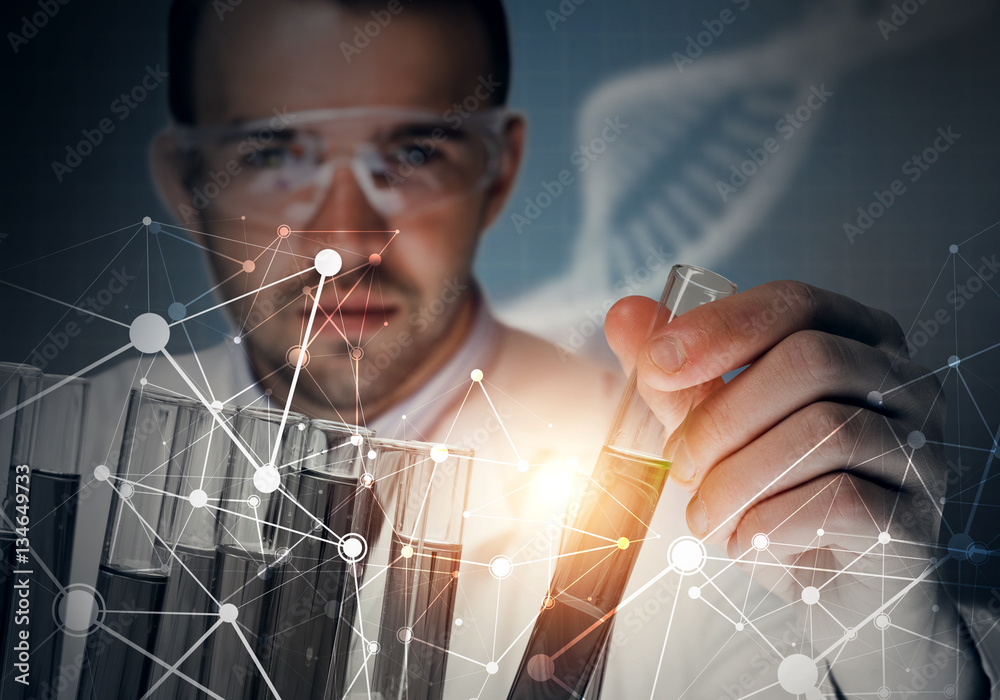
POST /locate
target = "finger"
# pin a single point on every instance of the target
(805, 368)
(822, 438)
(626, 328)
(710, 340)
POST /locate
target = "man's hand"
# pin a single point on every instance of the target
(820, 467)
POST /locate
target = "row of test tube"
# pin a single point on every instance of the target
(248, 553)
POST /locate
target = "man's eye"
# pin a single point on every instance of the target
(276, 156)
(413, 154)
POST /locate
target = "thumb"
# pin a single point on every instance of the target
(626, 327)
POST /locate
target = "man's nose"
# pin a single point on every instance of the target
(346, 219)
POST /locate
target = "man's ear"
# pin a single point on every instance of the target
(510, 164)
(168, 167)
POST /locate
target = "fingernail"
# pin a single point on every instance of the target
(682, 467)
(696, 516)
(668, 355)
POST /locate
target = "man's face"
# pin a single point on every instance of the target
(410, 310)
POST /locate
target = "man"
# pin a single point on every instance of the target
(377, 130)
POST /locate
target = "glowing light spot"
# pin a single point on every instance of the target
(623, 543)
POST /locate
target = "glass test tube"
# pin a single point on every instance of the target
(252, 547)
(570, 635)
(309, 626)
(132, 578)
(410, 574)
(43, 489)
(17, 383)
(196, 479)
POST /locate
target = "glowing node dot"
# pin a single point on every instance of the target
(884, 538)
(126, 490)
(882, 621)
(916, 440)
(810, 595)
(466, 514)
(292, 356)
(820, 532)
(458, 622)
(373, 647)
(243, 218)
(352, 547)
(198, 498)
(623, 543)
(953, 249)
(407, 552)
(797, 673)
(950, 691)
(694, 593)
(374, 259)
(307, 290)
(267, 479)
(216, 405)
(522, 465)
(492, 668)
(476, 375)
(284, 231)
(228, 612)
(385, 323)
(328, 262)
(78, 609)
(356, 440)
(154, 227)
(573, 462)
(954, 361)
(541, 667)
(760, 541)
(253, 501)
(149, 333)
(404, 416)
(740, 626)
(850, 634)
(875, 399)
(177, 311)
(883, 693)
(146, 220)
(249, 266)
(454, 574)
(357, 352)
(101, 472)
(143, 381)
(501, 567)
(372, 454)
(548, 603)
(404, 635)
(935, 608)
(282, 555)
(237, 340)
(686, 555)
(439, 453)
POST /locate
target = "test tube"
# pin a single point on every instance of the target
(307, 641)
(570, 635)
(132, 578)
(409, 576)
(257, 514)
(43, 488)
(17, 384)
(196, 479)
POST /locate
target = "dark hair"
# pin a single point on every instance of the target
(186, 16)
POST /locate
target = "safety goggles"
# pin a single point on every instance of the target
(279, 170)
